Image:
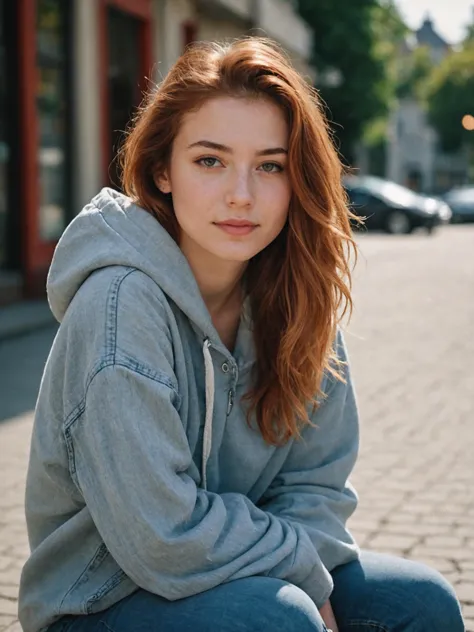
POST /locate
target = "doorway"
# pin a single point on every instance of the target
(127, 52)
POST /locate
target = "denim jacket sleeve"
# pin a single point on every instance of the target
(312, 488)
(172, 538)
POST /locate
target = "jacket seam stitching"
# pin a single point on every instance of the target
(97, 553)
(126, 362)
(131, 365)
(135, 366)
(112, 314)
(113, 581)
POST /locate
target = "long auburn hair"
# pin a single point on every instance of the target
(300, 285)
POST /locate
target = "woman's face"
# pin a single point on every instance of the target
(228, 178)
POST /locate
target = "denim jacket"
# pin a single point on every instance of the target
(144, 472)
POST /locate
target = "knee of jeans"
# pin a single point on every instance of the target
(446, 608)
(435, 605)
(286, 607)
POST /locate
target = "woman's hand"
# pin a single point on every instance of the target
(328, 616)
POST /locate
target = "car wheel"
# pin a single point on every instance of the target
(398, 223)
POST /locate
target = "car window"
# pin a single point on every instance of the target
(461, 196)
(390, 191)
(359, 197)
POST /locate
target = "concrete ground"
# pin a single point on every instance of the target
(411, 343)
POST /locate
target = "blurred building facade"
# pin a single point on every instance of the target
(414, 155)
(71, 75)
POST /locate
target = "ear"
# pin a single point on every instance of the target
(162, 182)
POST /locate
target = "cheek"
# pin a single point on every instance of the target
(183, 181)
(191, 195)
(278, 202)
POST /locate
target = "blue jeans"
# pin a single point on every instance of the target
(381, 593)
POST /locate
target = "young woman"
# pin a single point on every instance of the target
(196, 423)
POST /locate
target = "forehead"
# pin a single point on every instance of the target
(233, 121)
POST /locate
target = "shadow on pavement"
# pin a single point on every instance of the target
(22, 361)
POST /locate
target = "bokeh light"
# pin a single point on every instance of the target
(468, 122)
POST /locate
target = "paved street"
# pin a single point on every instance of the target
(411, 342)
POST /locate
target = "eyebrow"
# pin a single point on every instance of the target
(271, 151)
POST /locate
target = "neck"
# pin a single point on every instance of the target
(219, 281)
(221, 289)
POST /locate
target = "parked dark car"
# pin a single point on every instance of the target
(391, 207)
(461, 201)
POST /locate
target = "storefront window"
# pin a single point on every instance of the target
(52, 104)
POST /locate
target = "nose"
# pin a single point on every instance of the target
(239, 193)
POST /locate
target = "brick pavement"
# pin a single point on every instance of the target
(411, 347)
(14, 439)
(411, 343)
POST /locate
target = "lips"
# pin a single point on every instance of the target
(237, 222)
(236, 227)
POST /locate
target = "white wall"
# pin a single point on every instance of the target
(168, 37)
(219, 30)
(242, 8)
(87, 138)
(280, 21)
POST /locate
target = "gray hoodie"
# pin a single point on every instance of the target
(143, 470)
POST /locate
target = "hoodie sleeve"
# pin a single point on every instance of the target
(131, 462)
(312, 488)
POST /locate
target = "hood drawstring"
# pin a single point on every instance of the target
(210, 388)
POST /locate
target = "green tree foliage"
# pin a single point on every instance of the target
(358, 39)
(450, 96)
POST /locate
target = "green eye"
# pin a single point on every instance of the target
(209, 162)
(271, 167)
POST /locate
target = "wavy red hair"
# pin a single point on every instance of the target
(300, 285)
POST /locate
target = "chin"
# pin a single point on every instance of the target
(241, 254)
(235, 258)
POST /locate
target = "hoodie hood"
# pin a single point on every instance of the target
(111, 230)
